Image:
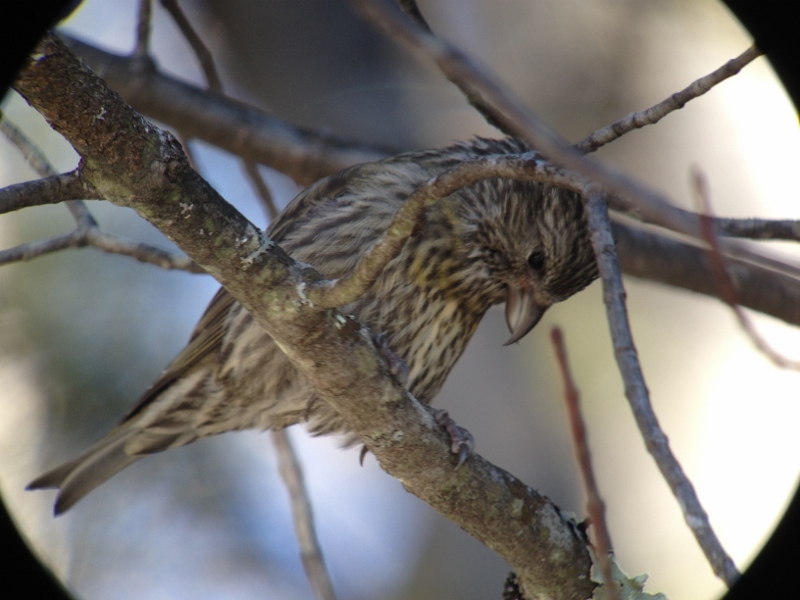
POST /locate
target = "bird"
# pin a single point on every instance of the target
(498, 240)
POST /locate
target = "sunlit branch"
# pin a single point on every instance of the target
(678, 100)
(638, 396)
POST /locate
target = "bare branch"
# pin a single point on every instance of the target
(36, 159)
(143, 27)
(657, 258)
(723, 280)
(303, 155)
(50, 190)
(636, 390)
(595, 507)
(472, 96)
(335, 353)
(678, 100)
(206, 60)
(198, 47)
(261, 187)
(626, 195)
(759, 229)
(113, 244)
(68, 188)
(412, 10)
(310, 551)
(529, 166)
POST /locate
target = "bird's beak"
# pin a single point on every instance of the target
(522, 312)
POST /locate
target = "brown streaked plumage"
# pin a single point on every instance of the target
(495, 241)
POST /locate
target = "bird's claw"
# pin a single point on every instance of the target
(362, 454)
(461, 441)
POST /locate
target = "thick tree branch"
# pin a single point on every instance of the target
(305, 156)
(134, 164)
(657, 258)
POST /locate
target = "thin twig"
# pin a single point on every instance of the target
(33, 156)
(625, 194)
(209, 67)
(261, 187)
(722, 278)
(470, 94)
(113, 244)
(50, 190)
(310, 552)
(198, 46)
(143, 27)
(528, 166)
(678, 100)
(67, 188)
(412, 10)
(637, 394)
(595, 506)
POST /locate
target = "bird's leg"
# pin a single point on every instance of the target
(461, 441)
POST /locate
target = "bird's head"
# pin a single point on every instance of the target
(529, 247)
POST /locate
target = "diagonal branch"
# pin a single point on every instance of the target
(303, 155)
(638, 396)
(199, 48)
(472, 95)
(136, 165)
(595, 507)
(723, 281)
(625, 194)
(678, 100)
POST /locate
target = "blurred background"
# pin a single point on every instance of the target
(82, 334)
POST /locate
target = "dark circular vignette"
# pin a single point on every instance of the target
(774, 31)
(22, 25)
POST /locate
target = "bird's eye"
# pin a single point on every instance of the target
(536, 260)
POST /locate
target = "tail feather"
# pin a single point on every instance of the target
(81, 475)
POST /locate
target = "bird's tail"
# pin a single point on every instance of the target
(78, 477)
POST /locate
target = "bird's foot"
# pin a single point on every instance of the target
(397, 366)
(462, 443)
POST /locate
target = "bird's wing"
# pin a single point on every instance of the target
(205, 340)
(330, 225)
